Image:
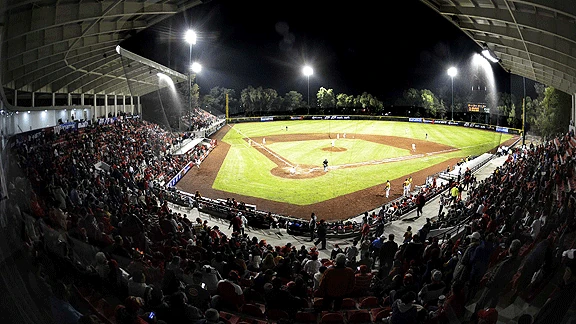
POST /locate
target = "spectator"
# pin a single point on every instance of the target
(404, 310)
(430, 292)
(363, 279)
(321, 232)
(337, 282)
(137, 285)
(464, 267)
(196, 292)
(387, 253)
(279, 298)
(352, 252)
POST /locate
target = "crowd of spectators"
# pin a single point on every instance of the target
(162, 267)
(200, 119)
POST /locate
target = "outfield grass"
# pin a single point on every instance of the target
(246, 171)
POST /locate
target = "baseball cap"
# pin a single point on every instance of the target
(475, 236)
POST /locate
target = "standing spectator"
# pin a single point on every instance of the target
(454, 192)
(321, 231)
(387, 253)
(420, 202)
(364, 230)
(464, 267)
(352, 252)
(337, 282)
(243, 223)
(375, 248)
(236, 223)
(312, 226)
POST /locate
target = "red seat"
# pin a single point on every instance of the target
(251, 321)
(382, 313)
(332, 318)
(229, 318)
(359, 316)
(253, 310)
(306, 317)
(318, 303)
(276, 314)
(348, 303)
(369, 302)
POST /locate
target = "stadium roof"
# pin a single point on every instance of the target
(70, 46)
(535, 39)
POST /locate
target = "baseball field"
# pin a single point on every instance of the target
(278, 166)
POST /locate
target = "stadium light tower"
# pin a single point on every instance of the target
(307, 70)
(190, 38)
(452, 71)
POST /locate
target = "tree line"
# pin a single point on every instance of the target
(546, 115)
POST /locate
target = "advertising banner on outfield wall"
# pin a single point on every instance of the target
(266, 118)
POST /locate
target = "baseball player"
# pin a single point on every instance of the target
(387, 188)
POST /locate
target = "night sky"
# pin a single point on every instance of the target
(382, 48)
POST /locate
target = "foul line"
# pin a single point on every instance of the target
(264, 148)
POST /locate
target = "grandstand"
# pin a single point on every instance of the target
(93, 231)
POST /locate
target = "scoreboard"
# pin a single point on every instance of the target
(478, 107)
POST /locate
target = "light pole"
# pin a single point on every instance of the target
(196, 68)
(307, 70)
(190, 38)
(452, 73)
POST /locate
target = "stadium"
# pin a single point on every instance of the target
(126, 199)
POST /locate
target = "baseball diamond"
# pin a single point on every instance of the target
(280, 169)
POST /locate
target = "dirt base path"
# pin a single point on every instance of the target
(339, 208)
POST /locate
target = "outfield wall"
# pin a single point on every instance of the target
(494, 128)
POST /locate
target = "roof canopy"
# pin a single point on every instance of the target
(535, 39)
(70, 46)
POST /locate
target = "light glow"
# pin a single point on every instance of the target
(196, 67)
(452, 72)
(190, 37)
(307, 70)
(489, 56)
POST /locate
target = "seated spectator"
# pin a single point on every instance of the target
(318, 276)
(280, 298)
(212, 316)
(137, 285)
(181, 311)
(431, 291)
(404, 310)
(363, 279)
(196, 292)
